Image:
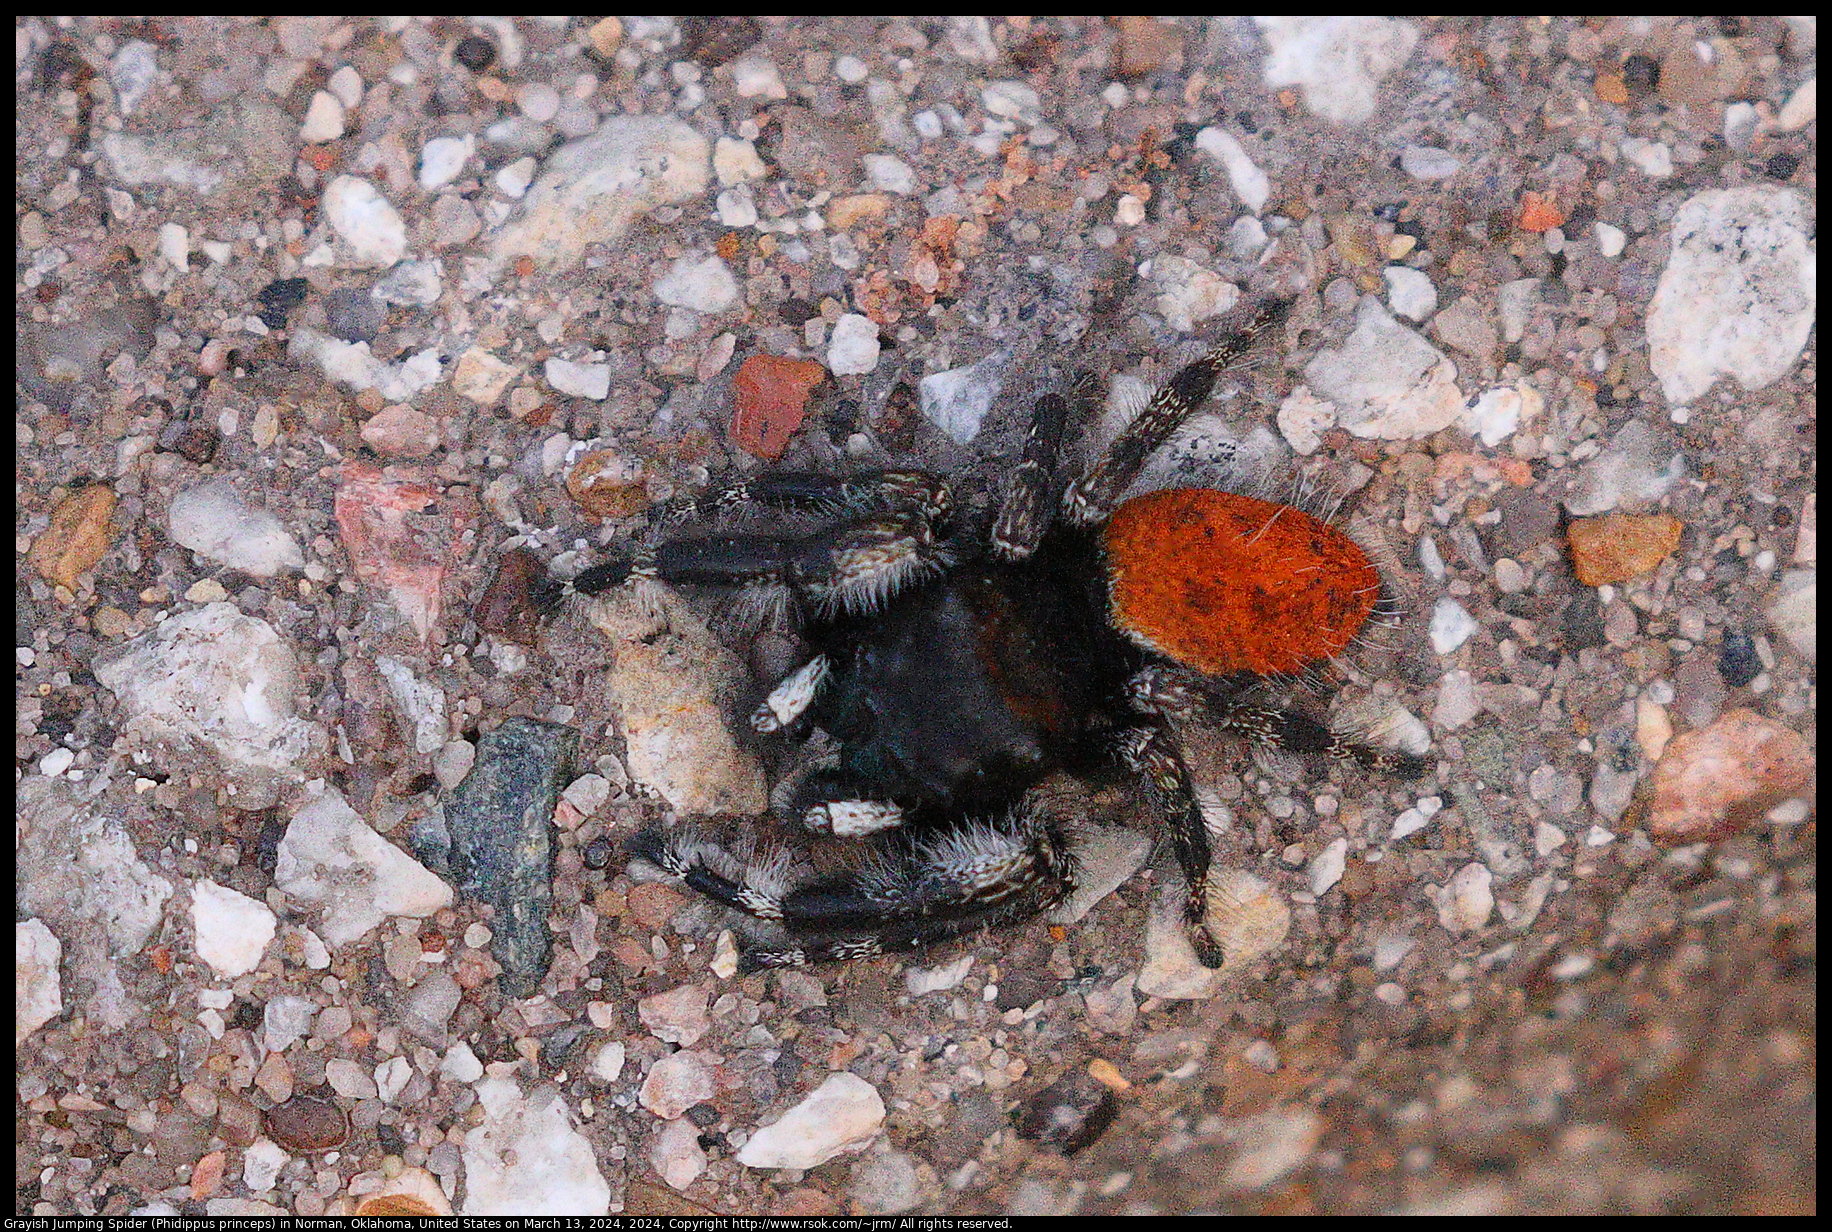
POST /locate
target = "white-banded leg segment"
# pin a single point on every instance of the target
(899, 893)
(1169, 692)
(790, 699)
(807, 492)
(1024, 512)
(1151, 753)
(857, 569)
(852, 818)
(753, 880)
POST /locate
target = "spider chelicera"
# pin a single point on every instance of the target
(955, 676)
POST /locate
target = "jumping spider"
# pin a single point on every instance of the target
(955, 677)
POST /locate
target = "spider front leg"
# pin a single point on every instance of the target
(904, 893)
(1151, 754)
(850, 569)
(805, 492)
(792, 696)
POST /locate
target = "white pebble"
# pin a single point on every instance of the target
(212, 520)
(175, 246)
(514, 179)
(346, 84)
(461, 1063)
(1465, 903)
(735, 161)
(580, 380)
(1329, 865)
(538, 101)
(1391, 950)
(736, 208)
(1423, 162)
(889, 174)
(1431, 559)
(232, 930)
(756, 77)
(1451, 625)
(391, 1077)
(324, 119)
(261, 1164)
(607, 1062)
(843, 1114)
(133, 72)
(1250, 183)
(1410, 293)
(1653, 157)
(1012, 100)
(854, 347)
(442, 158)
(704, 285)
(365, 221)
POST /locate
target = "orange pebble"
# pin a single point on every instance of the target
(1539, 213)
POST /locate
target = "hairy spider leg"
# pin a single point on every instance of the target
(851, 569)
(877, 491)
(1187, 697)
(792, 695)
(1028, 506)
(1091, 498)
(850, 818)
(906, 894)
(1151, 753)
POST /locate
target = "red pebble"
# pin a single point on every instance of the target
(772, 402)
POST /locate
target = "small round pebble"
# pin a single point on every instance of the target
(476, 54)
(1738, 661)
(306, 1124)
(599, 853)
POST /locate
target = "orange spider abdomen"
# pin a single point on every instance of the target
(1225, 583)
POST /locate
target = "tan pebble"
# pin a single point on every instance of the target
(1147, 45)
(207, 1176)
(609, 484)
(843, 212)
(1108, 1075)
(653, 905)
(403, 432)
(414, 1192)
(77, 536)
(111, 622)
(1246, 916)
(606, 35)
(1619, 546)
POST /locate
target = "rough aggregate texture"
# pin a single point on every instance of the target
(390, 279)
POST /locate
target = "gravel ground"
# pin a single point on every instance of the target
(320, 319)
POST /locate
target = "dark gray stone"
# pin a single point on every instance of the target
(354, 315)
(502, 842)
